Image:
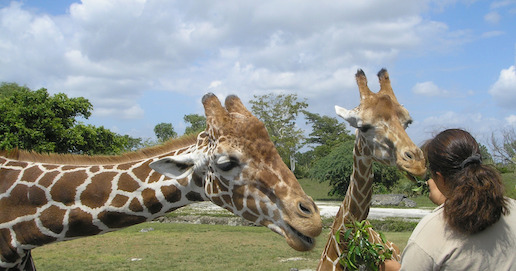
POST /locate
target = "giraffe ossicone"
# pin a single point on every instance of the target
(380, 136)
(233, 163)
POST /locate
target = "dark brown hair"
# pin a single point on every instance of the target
(476, 198)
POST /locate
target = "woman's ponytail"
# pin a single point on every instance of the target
(476, 200)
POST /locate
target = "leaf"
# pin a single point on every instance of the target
(347, 234)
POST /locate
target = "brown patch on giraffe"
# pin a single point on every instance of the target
(198, 181)
(52, 218)
(120, 220)
(48, 178)
(2, 160)
(32, 173)
(94, 169)
(80, 224)
(135, 205)
(67, 168)
(227, 199)
(143, 170)
(238, 203)
(9, 253)
(36, 196)
(194, 196)
(171, 193)
(264, 208)
(127, 183)
(65, 188)
(15, 164)
(7, 178)
(19, 201)
(27, 232)
(247, 215)
(154, 177)
(125, 166)
(119, 201)
(332, 253)
(97, 192)
(108, 167)
(217, 201)
(151, 202)
(251, 203)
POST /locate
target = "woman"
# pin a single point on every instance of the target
(474, 228)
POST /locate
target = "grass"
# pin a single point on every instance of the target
(183, 247)
(202, 247)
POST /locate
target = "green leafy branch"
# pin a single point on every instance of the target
(361, 252)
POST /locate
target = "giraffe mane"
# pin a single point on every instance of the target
(77, 159)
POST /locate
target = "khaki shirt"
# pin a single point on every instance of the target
(435, 246)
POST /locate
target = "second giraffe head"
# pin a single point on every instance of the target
(381, 122)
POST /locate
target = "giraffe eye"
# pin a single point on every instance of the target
(227, 163)
(364, 128)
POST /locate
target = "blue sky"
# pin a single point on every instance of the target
(452, 63)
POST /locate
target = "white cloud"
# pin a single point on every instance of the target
(504, 89)
(511, 120)
(111, 52)
(479, 125)
(429, 89)
(492, 17)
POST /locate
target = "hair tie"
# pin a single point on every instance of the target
(475, 158)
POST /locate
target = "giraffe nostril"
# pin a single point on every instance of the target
(304, 209)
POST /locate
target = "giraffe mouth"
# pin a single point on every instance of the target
(306, 239)
(295, 238)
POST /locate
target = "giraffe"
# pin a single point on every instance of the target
(380, 136)
(47, 198)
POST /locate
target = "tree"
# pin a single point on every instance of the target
(35, 120)
(505, 150)
(279, 113)
(486, 156)
(337, 167)
(327, 132)
(164, 131)
(197, 124)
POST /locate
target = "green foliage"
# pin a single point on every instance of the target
(360, 251)
(279, 113)
(35, 120)
(486, 156)
(197, 123)
(164, 131)
(327, 132)
(337, 167)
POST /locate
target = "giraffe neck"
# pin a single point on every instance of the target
(357, 201)
(62, 202)
(355, 205)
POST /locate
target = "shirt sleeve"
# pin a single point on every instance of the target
(415, 258)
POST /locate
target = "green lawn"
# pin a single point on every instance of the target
(198, 247)
(183, 247)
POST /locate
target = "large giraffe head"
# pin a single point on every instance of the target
(242, 172)
(381, 122)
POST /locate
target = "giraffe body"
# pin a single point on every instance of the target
(381, 122)
(51, 198)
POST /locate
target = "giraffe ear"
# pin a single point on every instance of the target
(175, 167)
(350, 116)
